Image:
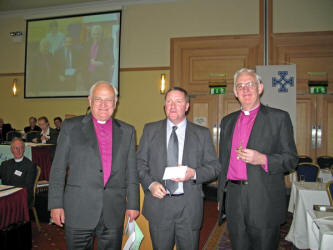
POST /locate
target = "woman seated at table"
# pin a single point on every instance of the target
(47, 135)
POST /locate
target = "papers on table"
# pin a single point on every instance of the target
(135, 236)
(32, 144)
(174, 172)
(7, 190)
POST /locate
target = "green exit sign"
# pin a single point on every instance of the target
(318, 87)
(217, 90)
(318, 90)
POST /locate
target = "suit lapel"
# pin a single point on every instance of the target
(189, 137)
(117, 134)
(91, 138)
(231, 127)
(257, 128)
(162, 135)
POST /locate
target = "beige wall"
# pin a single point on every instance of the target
(302, 15)
(146, 34)
(140, 101)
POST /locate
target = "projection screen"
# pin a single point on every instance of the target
(66, 55)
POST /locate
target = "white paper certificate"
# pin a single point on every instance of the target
(174, 172)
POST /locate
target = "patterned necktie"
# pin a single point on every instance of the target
(172, 159)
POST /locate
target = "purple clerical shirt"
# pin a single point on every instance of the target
(242, 131)
(104, 139)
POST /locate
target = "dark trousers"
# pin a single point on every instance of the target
(107, 239)
(175, 228)
(242, 235)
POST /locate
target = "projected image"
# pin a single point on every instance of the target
(65, 56)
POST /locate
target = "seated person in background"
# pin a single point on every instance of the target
(19, 171)
(47, 135)
(4, 129)
(57, 123)
(32, 125)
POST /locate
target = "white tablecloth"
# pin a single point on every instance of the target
(302, 198)
(7, 190)
(320, 230)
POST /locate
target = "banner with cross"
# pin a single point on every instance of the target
(279, 88)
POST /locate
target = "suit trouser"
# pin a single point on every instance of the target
(175, 227)
(242, 235)
(83, 239)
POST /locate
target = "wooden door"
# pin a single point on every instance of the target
(314, 132)
(203, 111)
(306, 125)
(324, 125)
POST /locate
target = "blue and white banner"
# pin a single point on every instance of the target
(279, 88)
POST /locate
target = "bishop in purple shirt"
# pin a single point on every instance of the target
(257, 148)
(94, 180)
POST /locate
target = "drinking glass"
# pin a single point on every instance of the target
(301, 180)
(319, 182)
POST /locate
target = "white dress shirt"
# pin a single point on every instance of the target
(180, 131)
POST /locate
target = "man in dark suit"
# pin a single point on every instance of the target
(32, 125)
(102, 181)
(257, 148)
(19, 171)
(174, 207)
(4, 129)
(67, 61)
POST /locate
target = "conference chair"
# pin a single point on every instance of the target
(325, 161)
(329, 188)
(304, 158)
(12, 134)
(31, 135)
(33, 208)
(309, 170)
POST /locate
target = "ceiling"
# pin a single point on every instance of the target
(19, 5)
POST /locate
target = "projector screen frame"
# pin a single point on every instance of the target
(114, 71)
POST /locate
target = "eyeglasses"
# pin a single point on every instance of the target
(241, 86)
(107, 101)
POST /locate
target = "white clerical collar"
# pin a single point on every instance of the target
(101, 122)
(247, 112)
(19, 160)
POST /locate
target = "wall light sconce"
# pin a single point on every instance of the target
(14, 87)
(162, 89)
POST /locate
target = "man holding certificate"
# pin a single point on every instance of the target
(174, 158)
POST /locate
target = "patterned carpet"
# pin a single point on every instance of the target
(52, 237)
(219, 238)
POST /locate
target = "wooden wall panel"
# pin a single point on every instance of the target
(311, 52)
(194, 59)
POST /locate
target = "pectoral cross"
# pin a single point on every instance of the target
(239, 150)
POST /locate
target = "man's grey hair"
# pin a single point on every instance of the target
(91, 91)
(250, 71)
(16, 139)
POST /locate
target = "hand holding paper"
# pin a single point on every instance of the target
(174, 172)
(179, 174)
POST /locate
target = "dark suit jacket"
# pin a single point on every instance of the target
(84, 196)
(6, 127)
(27, 178)
(199, 153)
(272, 134)
(28, 129)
